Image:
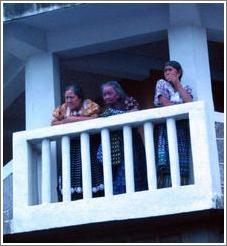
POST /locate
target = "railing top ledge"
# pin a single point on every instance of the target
(93, 125)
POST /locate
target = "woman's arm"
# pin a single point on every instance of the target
(164, 101)
(71, 119)
(183, 93)
(79, 118)
(55, 122)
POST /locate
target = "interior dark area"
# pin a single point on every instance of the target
(216, 59)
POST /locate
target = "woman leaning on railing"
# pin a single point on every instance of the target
(170, 91)
(75, 109)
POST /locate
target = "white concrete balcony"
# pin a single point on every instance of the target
(35, 204)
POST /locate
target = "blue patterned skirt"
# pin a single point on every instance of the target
(117, 157)
(162, 153)
(118, 164)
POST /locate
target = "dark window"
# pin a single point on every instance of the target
(216, 59)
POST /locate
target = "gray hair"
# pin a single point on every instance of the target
(116, 86)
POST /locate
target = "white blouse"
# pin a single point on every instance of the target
(165, 88)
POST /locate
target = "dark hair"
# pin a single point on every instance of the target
(175, 65)
(76, 90)
(116, 86)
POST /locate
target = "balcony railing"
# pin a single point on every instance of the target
(35, 202)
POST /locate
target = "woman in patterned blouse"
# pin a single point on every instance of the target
(116, 102)
(76, 109)
(170, 91)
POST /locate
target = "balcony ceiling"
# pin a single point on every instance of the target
(81, 14)
(65, 18)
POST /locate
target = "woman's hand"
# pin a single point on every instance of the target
(176, 83)
(70, 119)
(183, 93)
(174, 79)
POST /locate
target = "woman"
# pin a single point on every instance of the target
(170, 91)
(116, 102)
(76, 109)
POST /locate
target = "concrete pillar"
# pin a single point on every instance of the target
(42, 95)
(188, 45)
(42, 87)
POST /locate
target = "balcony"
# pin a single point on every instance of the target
(35, 155)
